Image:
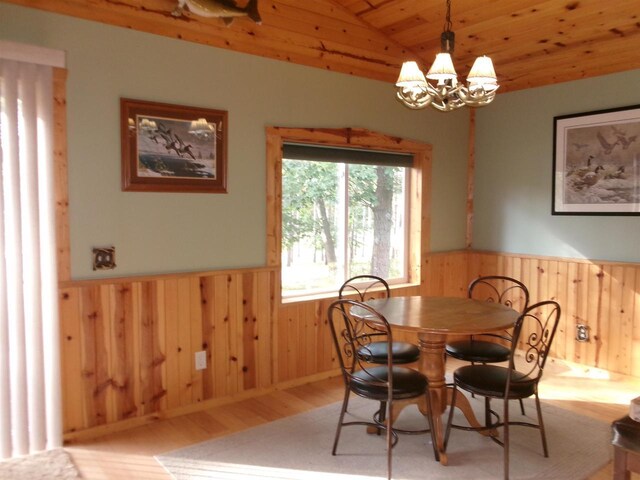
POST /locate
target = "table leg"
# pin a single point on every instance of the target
(432, 366)
(463, 404)
(398, 406)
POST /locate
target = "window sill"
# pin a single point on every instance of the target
(329, 296)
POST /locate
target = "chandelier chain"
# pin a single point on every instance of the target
(447, 23)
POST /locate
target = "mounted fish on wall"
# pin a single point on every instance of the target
(227, 10)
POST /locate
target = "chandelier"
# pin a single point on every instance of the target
(444, 92)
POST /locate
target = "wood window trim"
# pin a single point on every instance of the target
(60, 174)
(419, 184)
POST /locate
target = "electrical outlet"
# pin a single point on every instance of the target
(582, 333)
(201, 360)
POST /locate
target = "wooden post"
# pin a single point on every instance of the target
(471, 168)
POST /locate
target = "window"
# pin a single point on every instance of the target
(343, 214)
(344, 202)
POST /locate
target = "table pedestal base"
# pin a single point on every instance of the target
(462, 403)
(432, 365)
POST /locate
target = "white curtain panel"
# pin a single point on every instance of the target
(30, 405)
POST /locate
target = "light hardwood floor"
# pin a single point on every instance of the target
(129, 454)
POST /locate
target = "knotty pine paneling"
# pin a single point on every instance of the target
(605, 296)
(128, 345)
(372, 38)
(304, 345)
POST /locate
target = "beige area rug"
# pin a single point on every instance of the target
(299, 447)
(48, 465)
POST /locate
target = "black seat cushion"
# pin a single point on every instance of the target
(376, 352)
(478, 351)
(626, 434)
(407, 383)
(491, 381)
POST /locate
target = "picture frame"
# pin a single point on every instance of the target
(173, 148)
(596, 164)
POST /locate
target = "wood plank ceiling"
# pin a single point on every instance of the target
(532, 42)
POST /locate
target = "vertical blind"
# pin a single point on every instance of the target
(30, 398)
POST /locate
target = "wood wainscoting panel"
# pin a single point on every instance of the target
(125, 355)
(303, 345)
(446, 274)
(604, 296)
(128, 345)
(71, 341)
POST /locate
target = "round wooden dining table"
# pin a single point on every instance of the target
(433, 319)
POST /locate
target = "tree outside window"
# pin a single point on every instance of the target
(341, 219)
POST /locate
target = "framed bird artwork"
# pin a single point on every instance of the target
(172, 148)
(596, 167)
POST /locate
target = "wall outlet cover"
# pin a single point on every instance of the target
(201, 360)
(582, 333)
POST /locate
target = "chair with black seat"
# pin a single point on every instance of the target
(367, 287)
(353, 325)
(491, 347)
(533, 335)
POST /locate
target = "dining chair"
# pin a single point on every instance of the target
(367, 287)
(532, 335)
(491, 347)
(353, 324)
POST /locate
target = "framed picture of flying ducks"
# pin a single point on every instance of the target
(173, 148)
(596, 167)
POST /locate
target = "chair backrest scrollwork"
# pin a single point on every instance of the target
(533, 335)
(353, 324)
(500, 289)
(366, 287)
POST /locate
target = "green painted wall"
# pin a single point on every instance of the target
(514, 162)
(171, 232)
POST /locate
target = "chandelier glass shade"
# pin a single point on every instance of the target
(440, 87)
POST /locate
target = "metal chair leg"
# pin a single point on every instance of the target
(541, 424)
(345, 402)
(382, 415)
(506, 439)
(431, 429)
(450, 419)
(521, 406)
(389, 438)
(487, 411)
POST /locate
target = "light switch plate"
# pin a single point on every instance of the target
(201, 360)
